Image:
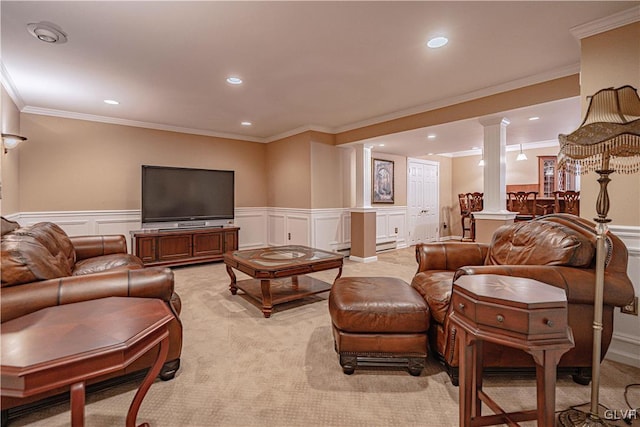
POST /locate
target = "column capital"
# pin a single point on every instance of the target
(495, 120)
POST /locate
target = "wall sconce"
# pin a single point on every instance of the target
(521, 156)
(10, 141)
(481, 162)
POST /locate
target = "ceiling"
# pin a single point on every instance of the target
(329, 66)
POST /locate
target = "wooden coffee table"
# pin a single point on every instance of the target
(66, 345)
(278, 273)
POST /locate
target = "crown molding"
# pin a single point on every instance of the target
(10, 87)
(611, 22)
(135, 123)
(504, 87)
(512, 147)
(299, 130)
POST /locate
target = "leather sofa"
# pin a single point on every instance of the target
(42, 267)
(555, 249)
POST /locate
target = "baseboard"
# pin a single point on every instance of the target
(625, 342)
(364, 260)
(624, 349)
(385, 246)
(447, 238)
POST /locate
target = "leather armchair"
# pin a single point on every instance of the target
(43, 267)
(555, 249)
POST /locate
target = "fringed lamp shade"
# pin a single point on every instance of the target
(607, 141)
(609, 136)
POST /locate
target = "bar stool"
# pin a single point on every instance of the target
(465, 216)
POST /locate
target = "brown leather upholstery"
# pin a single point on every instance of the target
(43, 267)
(556, 249)
(44, 251)
(378, 317)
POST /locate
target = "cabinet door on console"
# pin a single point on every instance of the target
(231, 240)
(174, 247)
(207, 244)
(146, 249)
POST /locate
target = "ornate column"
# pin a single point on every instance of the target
(363, 216)
(494, 213)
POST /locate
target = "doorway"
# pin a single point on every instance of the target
(422, 200)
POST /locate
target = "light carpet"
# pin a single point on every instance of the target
(240, 369)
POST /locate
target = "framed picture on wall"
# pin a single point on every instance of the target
(382, 181)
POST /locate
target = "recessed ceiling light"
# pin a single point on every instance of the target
(534, 118)
(47, 32)
(431, 136)
(380, 145)
(475, 148)
(246, 123)
(111, 102)
(234, 80)
(429, 154)
(437, 42)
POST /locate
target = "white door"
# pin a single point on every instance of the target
(422, 200)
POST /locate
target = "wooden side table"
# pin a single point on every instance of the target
(66, 345)
(514, 312)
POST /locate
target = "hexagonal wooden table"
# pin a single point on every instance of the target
(514, 312)
(66, 345)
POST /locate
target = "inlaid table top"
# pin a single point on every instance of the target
(292, 263)
(282, 257)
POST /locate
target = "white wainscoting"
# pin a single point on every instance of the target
(80, 223)
(328, 229)
(252, 223)
(288, 227)
(391, 227)
(625, 343)
(253, 227)
(331, 229)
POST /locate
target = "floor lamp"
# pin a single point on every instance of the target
(607, 141)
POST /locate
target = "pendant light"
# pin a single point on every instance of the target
(521, 156)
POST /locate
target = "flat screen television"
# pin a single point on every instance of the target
(186, 197)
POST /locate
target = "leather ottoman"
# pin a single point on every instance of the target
(378, 321)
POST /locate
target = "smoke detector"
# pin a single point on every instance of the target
(47, 32)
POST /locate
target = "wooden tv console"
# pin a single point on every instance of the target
(183, 246)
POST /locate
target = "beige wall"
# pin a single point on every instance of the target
(9, 162)
(526, 171)
(611, 59)
(399, 178)
(289, 172)
(467, 176)
(70, 165)
(326, 176)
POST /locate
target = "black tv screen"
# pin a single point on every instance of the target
(185, 194)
